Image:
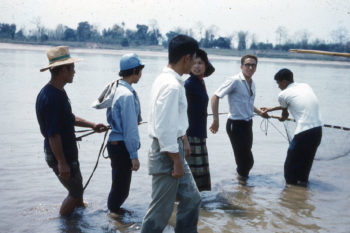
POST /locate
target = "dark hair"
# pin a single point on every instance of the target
(284, 74)
(249, 56)
(203, 55)
(126, 73)
(56, 70)
(209, 68)
(180, 46)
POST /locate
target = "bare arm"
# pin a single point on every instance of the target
(57, 150)
(261, 113)
(284, 114)
(215, 109)
(186, 146)
(265, 109)
(178, 170)
(135, 164)
(84, 123)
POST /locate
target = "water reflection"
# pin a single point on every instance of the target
(231, 207)
(297, 208)
(124, 221)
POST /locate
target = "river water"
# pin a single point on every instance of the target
(30, 194)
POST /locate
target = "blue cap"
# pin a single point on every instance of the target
(130, 61)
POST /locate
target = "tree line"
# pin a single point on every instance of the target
(145, 35)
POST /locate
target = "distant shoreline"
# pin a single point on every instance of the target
(159, 51)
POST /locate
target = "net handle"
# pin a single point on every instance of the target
(325, 125)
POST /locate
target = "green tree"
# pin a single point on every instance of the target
(170, 35)
(59, 32)
(222, 42)
(281, 35)
(206, 42)
(242, 40)
(141, 33)
(20, 35)
(7, 30)
(69, 35)
(117, 32)
(340, 35)
(84, 31)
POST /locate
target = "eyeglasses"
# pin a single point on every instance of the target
(253, 65)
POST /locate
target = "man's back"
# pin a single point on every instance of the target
(303, 104)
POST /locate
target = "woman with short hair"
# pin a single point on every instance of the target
(197, 100)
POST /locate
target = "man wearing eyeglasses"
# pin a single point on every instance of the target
(240, 90)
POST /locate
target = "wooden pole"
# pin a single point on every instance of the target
(319, 52)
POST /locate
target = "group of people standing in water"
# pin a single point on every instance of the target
(178, 158)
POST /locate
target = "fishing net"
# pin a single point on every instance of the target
(334, 144)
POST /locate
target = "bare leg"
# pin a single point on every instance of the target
(69, 204)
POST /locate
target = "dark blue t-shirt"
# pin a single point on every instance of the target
(197, 101)
(54, 114)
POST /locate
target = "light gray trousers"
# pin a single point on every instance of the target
(166, 190)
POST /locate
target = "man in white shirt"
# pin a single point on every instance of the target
(300, 100)
(240, 90)
(171, 177)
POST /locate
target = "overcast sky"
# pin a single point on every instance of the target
(260, 17)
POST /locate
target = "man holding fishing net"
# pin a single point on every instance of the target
(300, 100)
(240, 90)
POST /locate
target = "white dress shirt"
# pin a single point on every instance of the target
(168, 117)
(302, 103)
(241, 102)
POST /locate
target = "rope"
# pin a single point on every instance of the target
(336, 127)
(83, 131)
(264, 125)
(91, 131)
(102, 149)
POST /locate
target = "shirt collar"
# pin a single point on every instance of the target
(241, 76)
(177, 76)
(290, 85)
(126, 84)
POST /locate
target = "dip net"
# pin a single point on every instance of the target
(335, 141)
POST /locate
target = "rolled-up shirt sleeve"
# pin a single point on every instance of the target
(282, 101)
(167, 118)
(225, 88)
(130, 125)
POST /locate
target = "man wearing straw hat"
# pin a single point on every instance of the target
(56, 120)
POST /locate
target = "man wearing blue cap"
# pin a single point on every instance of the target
(124, 115)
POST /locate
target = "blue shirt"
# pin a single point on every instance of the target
(54, 114)
(123, 117)
(197, 101)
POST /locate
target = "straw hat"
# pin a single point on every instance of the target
(59, 56)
